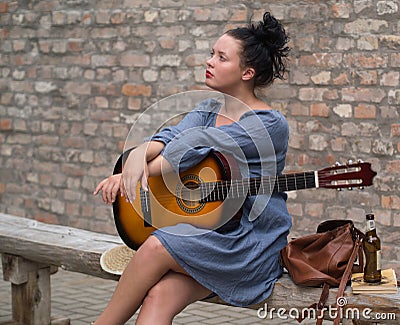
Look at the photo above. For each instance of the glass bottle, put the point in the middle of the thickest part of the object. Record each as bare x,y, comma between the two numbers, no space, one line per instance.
372,251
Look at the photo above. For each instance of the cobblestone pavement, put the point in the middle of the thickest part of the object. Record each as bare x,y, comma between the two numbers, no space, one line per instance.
81,297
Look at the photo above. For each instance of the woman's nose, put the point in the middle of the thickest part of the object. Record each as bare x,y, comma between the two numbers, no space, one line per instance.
209,62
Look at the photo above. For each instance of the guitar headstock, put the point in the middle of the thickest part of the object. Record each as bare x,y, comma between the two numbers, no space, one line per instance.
351,175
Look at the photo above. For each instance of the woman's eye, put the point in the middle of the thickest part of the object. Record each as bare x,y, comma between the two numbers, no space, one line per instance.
222,58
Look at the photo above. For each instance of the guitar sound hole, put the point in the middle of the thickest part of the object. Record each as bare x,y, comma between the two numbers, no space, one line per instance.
188,194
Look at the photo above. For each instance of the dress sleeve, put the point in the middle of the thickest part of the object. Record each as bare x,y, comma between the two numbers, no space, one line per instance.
195,118
246,140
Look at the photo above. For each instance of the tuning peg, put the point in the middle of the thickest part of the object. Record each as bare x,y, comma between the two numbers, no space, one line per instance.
338,164
349,162
361,188
360,161
351,188
339,189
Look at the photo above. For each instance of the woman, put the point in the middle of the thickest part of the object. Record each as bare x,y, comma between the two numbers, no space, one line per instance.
239,263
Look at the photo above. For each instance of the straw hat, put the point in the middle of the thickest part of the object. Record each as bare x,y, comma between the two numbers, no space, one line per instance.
114,260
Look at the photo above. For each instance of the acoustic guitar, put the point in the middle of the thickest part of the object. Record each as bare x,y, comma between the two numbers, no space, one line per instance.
208,194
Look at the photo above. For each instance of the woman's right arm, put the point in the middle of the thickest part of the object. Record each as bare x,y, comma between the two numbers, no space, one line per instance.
136,167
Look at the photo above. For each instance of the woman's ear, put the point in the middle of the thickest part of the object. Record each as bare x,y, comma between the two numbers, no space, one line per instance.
248,74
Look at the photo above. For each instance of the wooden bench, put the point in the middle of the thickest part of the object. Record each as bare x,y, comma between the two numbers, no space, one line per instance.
32,251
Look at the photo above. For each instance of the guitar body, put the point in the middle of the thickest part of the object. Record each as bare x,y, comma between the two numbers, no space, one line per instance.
211,193
174,199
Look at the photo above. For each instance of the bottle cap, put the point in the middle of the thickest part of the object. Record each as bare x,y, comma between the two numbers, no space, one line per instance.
370,216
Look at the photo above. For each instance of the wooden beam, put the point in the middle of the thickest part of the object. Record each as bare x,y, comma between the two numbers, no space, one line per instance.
294,298
70,248
30,289
80,250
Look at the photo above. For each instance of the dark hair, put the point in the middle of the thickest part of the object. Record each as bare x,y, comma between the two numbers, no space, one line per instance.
264,49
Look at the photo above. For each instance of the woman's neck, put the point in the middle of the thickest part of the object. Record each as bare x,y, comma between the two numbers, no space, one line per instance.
239,104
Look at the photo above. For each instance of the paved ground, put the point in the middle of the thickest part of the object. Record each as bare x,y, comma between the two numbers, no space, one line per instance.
81,297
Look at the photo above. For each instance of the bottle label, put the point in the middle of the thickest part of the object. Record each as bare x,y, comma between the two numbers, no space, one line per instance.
370,225
378,260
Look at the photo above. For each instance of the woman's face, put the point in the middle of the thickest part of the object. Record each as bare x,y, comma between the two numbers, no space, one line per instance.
224,71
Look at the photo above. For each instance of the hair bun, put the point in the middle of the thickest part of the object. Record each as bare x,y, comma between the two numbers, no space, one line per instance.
270,32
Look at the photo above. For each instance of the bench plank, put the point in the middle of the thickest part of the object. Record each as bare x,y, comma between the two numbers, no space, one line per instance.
293,298
79,250
70,248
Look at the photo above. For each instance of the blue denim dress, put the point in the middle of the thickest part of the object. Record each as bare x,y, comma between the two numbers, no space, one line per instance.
240,264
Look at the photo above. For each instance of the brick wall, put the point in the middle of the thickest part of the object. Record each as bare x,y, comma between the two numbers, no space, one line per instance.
76,73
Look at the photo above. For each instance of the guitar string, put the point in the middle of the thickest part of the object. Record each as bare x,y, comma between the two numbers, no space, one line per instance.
220,189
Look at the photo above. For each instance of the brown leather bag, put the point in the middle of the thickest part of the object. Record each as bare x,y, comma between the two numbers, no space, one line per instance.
326,258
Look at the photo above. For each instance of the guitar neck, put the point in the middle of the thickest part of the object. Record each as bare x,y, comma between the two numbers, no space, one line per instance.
238,188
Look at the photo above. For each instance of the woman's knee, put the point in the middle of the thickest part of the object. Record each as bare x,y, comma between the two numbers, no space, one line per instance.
152,248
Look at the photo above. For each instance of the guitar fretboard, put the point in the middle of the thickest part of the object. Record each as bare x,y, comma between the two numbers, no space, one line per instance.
238,188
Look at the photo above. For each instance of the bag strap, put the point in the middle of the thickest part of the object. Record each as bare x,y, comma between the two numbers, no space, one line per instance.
358,237
345,278
321,303
342,286
318,306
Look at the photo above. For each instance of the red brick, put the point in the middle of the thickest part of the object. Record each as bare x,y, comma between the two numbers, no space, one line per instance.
136,90
201,14
341,79
392,78
367,77
239,15
75,46
3,7
130,59
5,124
395,130
339,144
341,10
374,95
298,109
43,216
320,109
295,209
118,18
74,142
365,111
312,94
167,43
395,59
303,159
391,202
72,209
393,167
370,61
322,60
134,103
314,209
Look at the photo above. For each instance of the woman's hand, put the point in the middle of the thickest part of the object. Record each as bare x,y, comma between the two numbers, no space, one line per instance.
110,187
135,170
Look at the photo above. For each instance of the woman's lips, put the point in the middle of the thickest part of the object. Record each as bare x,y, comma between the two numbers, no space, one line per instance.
209,74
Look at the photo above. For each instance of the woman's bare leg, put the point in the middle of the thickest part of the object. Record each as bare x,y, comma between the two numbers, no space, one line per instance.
150,263
169,297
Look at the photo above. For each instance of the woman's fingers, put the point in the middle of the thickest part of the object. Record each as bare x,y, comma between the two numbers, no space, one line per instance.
109,188
99,186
